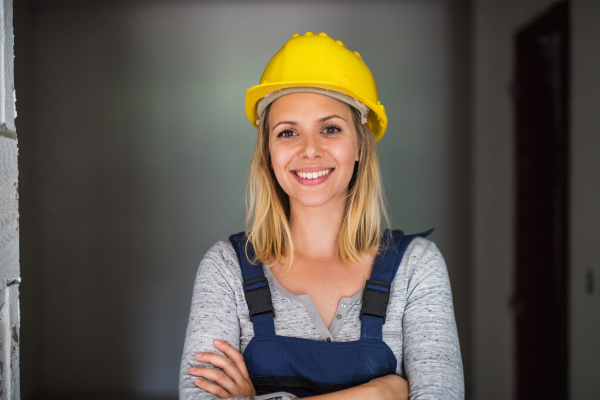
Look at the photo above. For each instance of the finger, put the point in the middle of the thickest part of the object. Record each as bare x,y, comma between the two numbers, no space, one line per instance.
197,371
217,376
234,355
212,388
226,364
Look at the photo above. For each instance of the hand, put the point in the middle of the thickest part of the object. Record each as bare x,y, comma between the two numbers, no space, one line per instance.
232,381
391,387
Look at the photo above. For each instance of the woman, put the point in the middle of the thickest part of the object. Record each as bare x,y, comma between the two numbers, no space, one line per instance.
314,300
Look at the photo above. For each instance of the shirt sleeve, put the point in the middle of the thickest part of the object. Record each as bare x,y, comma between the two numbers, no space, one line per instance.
432,356
213,316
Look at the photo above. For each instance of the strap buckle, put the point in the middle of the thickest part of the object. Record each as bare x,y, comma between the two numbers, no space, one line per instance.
258,297
375,299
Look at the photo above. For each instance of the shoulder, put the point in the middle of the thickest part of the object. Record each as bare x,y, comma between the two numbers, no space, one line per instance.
221,254
423,263
422,251
220,259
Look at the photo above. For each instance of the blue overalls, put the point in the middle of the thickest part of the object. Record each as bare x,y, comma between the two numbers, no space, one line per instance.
307,367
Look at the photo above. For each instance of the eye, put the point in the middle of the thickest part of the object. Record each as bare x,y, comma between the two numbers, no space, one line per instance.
331,129
286,133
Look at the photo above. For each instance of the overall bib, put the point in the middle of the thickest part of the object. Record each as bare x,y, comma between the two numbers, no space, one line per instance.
307,367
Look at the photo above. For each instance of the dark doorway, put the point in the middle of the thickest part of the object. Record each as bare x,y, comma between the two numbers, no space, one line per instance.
541,109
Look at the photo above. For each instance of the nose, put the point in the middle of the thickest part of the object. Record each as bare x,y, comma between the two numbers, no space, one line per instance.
312,147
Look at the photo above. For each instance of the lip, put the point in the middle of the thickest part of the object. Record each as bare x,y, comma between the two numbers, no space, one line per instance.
315,181
316,168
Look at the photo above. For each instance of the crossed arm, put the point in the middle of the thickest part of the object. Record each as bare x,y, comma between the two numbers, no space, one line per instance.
233,380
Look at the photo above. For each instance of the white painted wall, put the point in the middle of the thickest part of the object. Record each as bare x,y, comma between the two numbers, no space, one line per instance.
138,147
495,23
585,200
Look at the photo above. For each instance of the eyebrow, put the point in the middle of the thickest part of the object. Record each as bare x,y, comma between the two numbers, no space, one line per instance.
321,120
330,117
283,123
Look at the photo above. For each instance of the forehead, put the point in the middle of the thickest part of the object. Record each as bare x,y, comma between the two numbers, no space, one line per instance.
308,105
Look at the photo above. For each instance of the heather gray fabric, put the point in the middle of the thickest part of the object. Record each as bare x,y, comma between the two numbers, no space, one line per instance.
419,328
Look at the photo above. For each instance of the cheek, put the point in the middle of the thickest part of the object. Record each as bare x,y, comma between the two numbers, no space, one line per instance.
346,155
279,160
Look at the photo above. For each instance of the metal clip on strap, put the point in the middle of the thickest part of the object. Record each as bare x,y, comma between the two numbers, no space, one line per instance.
375,299
258,297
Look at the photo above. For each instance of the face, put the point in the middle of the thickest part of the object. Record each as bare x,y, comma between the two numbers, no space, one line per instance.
313,145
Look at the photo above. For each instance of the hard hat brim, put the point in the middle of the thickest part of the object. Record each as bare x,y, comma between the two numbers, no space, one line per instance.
376,120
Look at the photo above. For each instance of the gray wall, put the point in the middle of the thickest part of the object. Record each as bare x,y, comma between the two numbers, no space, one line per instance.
584,308
135,151
495,23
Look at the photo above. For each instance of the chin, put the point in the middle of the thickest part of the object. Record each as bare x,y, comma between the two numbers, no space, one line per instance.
313,201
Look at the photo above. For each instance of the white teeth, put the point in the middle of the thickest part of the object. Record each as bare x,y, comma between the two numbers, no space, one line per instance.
313,175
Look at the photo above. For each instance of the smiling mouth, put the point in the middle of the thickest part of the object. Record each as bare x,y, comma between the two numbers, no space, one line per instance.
313,175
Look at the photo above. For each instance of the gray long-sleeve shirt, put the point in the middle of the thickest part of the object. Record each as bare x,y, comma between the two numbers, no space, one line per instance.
420,328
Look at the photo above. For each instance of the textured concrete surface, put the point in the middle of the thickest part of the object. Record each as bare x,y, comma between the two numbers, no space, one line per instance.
9,209
9,216
9,342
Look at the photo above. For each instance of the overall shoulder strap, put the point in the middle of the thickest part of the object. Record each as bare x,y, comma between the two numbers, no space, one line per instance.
377,289
256,286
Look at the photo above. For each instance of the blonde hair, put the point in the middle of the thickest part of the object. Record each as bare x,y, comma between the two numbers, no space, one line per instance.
267,219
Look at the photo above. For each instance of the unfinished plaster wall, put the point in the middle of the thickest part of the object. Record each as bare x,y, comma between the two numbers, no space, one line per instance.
9,216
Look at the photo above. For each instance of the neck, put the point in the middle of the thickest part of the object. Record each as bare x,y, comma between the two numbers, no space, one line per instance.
315,230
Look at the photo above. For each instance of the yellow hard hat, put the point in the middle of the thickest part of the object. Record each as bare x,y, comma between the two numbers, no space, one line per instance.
318,61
